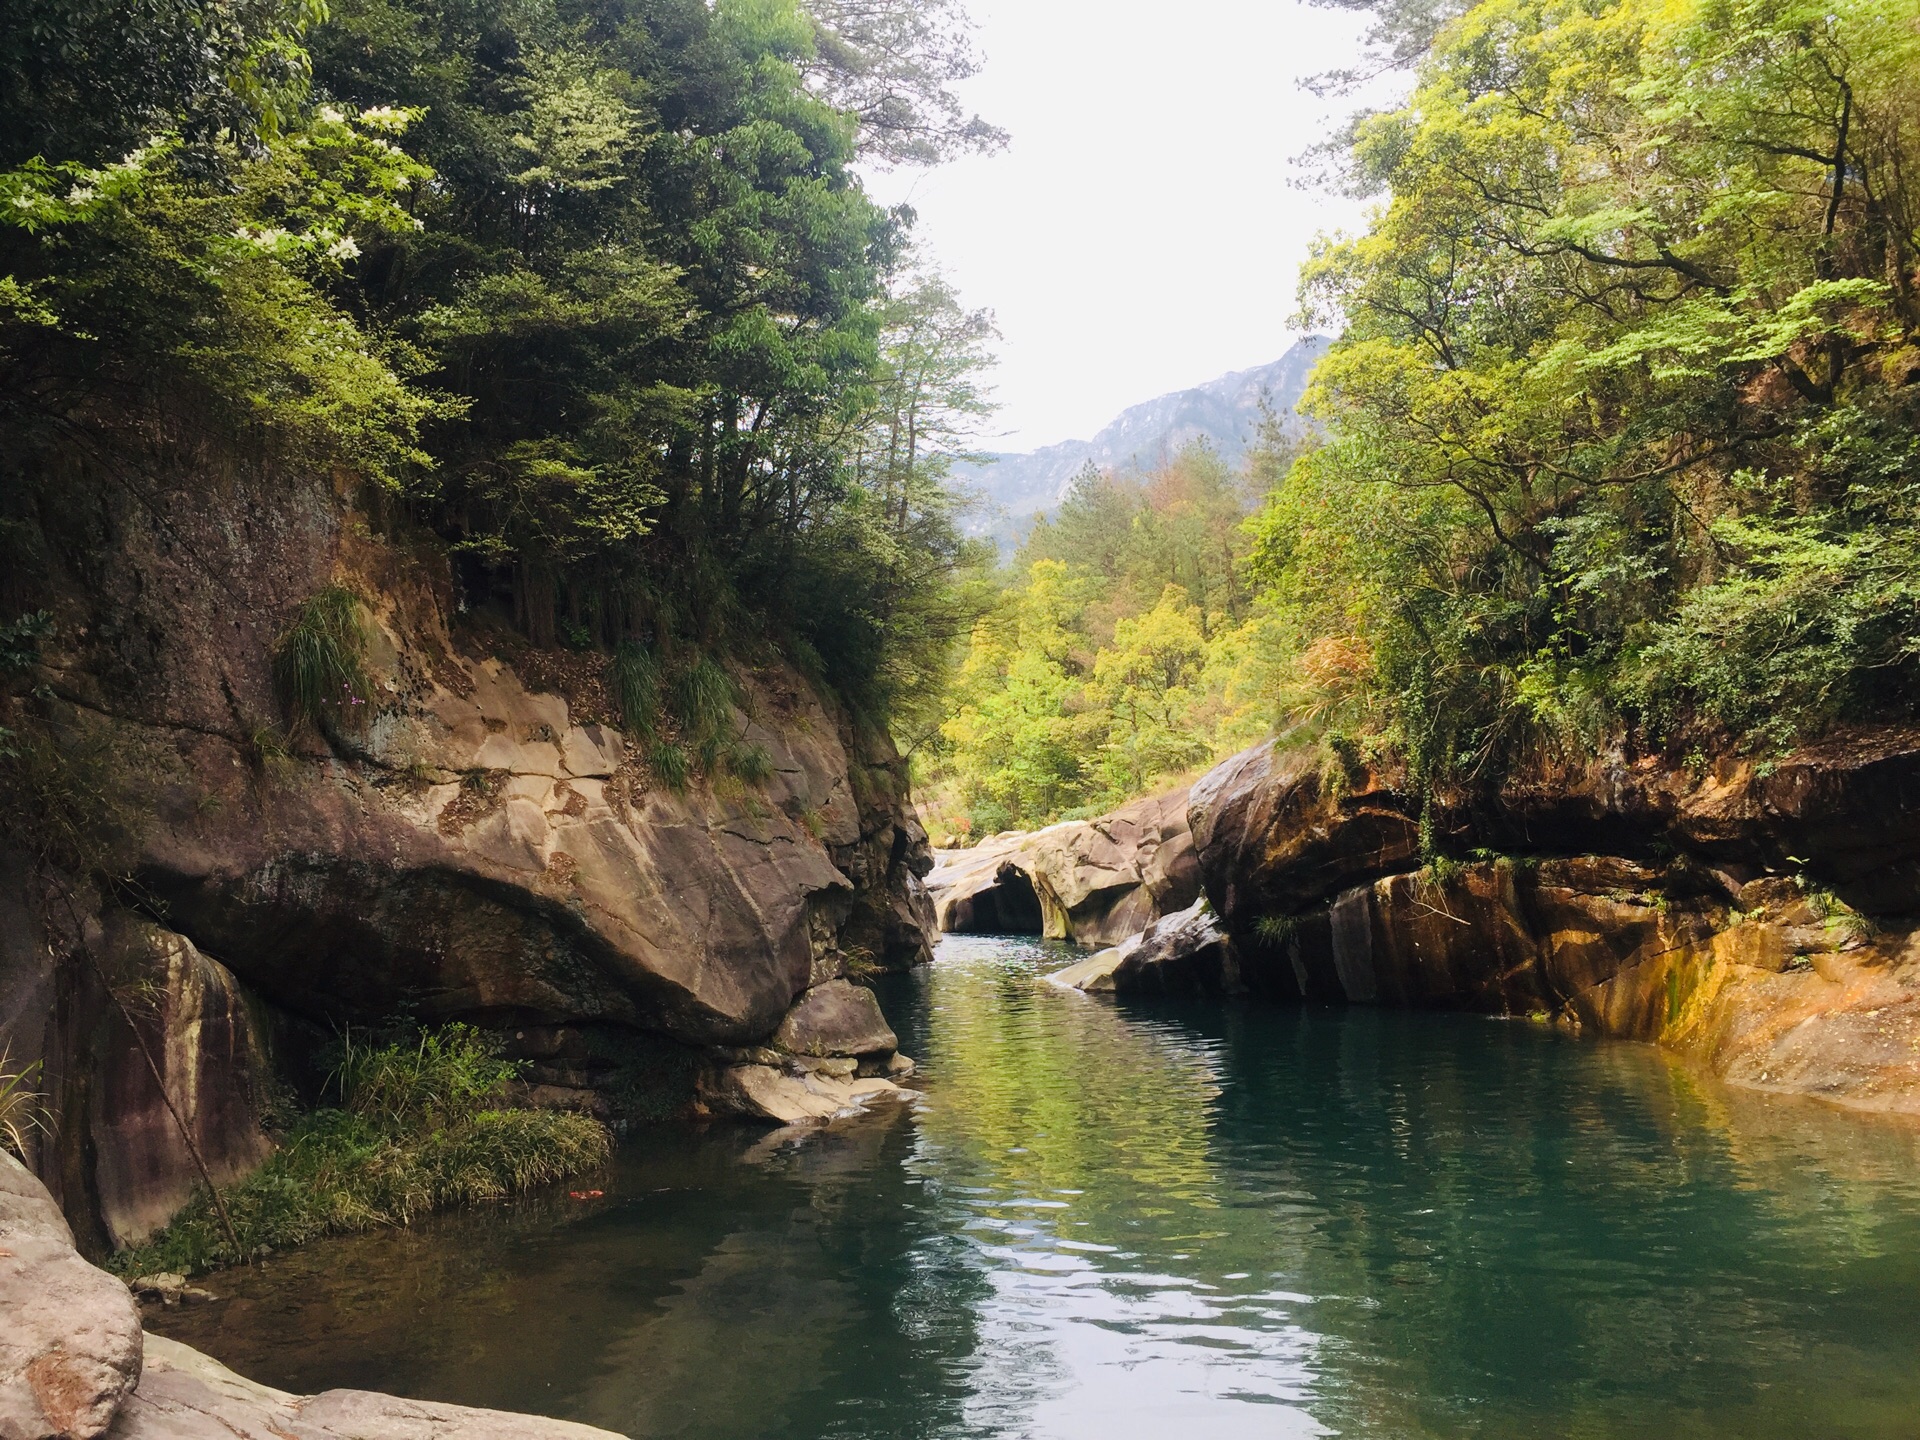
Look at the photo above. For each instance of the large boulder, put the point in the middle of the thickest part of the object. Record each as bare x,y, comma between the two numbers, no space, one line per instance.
1090,881
836,1018
69,1334
1185,953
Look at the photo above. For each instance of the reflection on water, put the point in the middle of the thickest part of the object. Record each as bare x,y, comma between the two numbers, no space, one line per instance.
1163,1220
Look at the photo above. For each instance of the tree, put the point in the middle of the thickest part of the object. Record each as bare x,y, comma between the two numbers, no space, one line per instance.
1620,437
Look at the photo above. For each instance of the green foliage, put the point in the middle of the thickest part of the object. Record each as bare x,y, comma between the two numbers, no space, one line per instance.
22,1108
1126,651
422,1126
1621,434
595,286
319,664
443,1077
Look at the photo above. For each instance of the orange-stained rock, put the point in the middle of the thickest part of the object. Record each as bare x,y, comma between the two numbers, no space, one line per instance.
1728,914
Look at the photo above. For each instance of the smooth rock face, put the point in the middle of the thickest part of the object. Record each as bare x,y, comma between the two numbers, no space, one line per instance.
213,1057
837,1018
1705,929
69,1334
185,1395
474,841
1091,881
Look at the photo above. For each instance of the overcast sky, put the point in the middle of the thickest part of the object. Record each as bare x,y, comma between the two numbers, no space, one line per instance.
1142,233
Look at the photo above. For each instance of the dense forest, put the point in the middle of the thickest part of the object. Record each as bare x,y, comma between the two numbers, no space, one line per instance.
1616,447
591,289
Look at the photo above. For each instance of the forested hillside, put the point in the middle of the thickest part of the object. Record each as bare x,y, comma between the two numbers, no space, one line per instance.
1127,647
1618,439
586,288
1623,418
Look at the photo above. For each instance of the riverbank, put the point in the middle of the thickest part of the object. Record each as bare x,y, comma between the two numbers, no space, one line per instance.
76,1362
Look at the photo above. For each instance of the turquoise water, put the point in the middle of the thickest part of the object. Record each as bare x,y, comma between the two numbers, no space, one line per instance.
1140,1221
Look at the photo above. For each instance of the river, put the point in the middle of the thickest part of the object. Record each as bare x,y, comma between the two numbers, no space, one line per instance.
1162,1221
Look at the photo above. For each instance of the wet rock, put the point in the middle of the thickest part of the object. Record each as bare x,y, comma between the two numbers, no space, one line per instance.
789,1097
69,1333
837,1018
1656,920
1091,881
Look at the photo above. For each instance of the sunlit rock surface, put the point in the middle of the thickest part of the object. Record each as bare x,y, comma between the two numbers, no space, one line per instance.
473,839
1091,881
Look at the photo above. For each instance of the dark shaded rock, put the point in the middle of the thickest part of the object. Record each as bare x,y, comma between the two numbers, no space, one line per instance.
837,1018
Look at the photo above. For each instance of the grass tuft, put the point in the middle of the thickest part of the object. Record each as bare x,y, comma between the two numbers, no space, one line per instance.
634,677
22,1108
750,763
422,1125
672,764
319,664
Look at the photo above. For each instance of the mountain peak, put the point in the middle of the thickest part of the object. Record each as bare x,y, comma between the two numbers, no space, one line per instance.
1224,411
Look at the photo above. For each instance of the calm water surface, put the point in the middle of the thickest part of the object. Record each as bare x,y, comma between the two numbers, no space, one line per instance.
1159,1221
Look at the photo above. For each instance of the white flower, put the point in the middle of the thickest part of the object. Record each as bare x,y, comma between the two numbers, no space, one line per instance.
385,117
331,116
80,194
343,248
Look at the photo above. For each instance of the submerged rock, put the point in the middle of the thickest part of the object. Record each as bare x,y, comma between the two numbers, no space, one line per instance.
790,1096
1094,882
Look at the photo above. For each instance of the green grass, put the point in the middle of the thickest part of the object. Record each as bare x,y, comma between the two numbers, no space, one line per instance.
22,1109
421,1126
319,664
634,677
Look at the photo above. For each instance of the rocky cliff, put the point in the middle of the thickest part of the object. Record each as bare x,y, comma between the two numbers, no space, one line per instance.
1758,915
474,839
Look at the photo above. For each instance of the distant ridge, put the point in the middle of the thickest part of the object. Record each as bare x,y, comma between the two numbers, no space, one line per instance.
1225,412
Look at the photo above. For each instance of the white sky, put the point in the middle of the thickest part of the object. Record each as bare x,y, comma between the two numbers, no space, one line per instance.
1143,231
